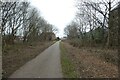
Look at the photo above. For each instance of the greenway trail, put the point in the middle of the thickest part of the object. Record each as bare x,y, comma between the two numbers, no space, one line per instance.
45,65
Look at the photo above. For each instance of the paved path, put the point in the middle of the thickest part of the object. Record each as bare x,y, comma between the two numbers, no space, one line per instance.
0,57
0,64
45,65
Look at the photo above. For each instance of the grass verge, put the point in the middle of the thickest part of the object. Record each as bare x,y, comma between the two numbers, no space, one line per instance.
68,68
89,64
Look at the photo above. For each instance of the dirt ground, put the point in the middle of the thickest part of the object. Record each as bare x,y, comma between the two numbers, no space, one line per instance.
92,62
14,56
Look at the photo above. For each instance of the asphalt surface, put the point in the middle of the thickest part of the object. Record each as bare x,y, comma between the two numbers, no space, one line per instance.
0,57
45,65
0,65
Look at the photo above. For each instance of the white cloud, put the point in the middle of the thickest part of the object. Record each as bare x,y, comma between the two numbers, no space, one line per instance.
56,12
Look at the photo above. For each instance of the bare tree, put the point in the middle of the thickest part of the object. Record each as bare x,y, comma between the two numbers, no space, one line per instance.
22,19
11,19
71,30
98,14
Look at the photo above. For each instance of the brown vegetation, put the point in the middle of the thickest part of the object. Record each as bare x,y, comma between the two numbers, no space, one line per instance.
93,62
21,30
94,35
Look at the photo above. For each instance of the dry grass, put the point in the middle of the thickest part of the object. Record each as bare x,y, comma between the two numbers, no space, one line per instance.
92,63
14,56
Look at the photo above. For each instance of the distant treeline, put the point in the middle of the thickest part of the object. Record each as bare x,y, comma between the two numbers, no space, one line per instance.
95,25
21,21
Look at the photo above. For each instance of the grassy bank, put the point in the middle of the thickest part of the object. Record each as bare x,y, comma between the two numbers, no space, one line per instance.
14,56
68,68
90,62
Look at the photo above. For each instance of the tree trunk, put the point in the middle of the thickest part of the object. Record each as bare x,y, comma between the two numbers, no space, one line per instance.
109,42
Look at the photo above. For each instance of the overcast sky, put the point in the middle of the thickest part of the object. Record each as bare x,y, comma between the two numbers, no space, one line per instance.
56,12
